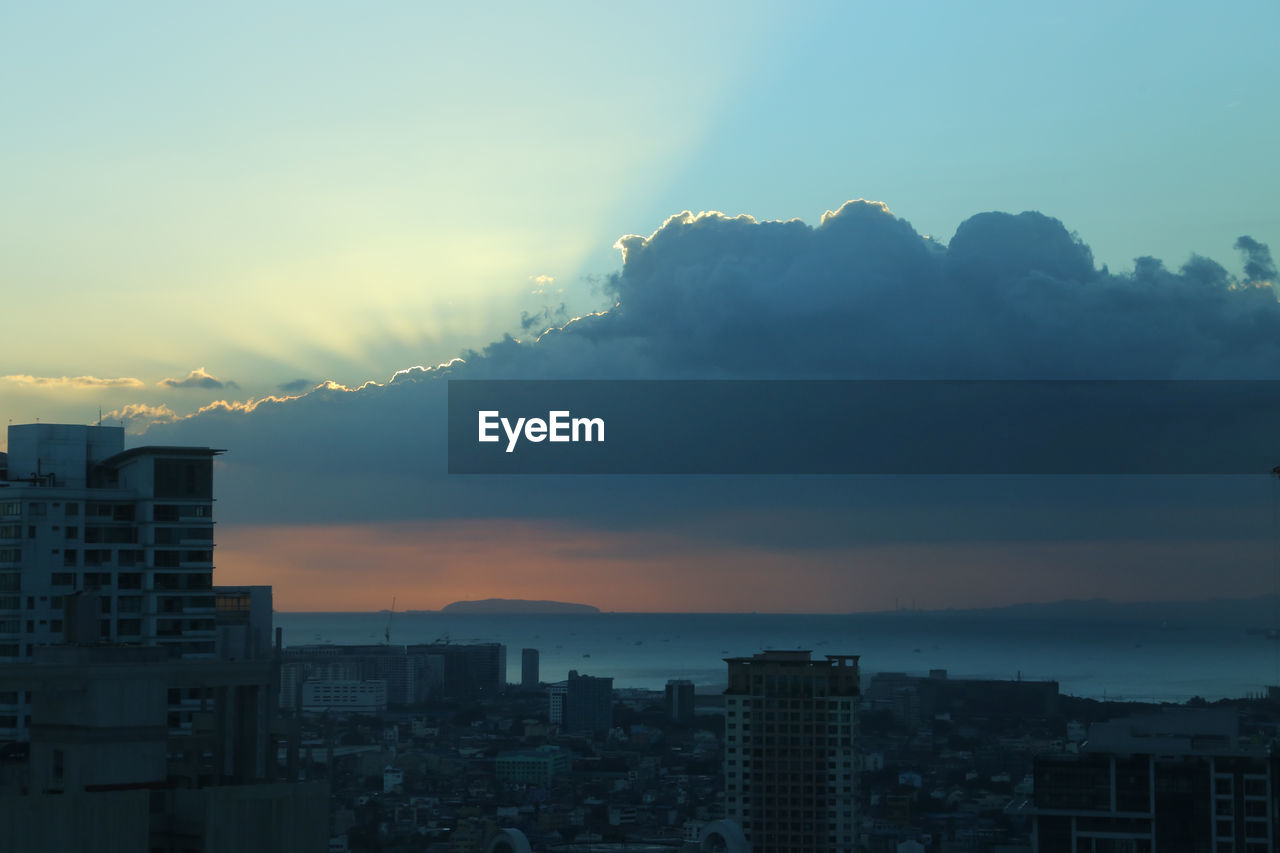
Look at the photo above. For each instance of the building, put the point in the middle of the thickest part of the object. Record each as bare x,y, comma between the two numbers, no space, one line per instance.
1181,780
129,530
243,622
106,772
529,669
538,766
471,671
556,695
398,671
913,700
413,674
679,701
341,696
791,773
588,704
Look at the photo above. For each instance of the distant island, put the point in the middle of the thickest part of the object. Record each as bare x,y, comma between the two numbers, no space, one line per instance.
516,605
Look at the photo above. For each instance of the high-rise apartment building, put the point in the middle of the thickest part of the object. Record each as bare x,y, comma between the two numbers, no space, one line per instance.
679,697
588,704
791,773
529,669
582,704
128,532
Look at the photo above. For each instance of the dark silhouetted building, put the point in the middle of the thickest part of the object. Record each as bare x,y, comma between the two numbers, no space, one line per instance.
410,674
470,671
1181,780
583,704
791,772
679,701
529,669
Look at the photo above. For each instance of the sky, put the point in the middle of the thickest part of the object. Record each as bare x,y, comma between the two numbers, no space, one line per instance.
265,226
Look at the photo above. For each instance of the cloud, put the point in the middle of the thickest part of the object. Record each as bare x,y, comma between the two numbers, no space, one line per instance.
198,378
544,318
418,372
73,381
860,295
1258,266
295,385
137,417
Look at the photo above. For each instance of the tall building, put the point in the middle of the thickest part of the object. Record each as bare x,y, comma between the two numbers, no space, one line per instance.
529,669
581,705
790,768
556,694
1181,780
679,701
129,530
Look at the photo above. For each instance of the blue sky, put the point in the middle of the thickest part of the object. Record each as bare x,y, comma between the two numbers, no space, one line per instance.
250,200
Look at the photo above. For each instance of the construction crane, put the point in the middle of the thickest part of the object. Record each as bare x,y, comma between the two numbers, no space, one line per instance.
389,618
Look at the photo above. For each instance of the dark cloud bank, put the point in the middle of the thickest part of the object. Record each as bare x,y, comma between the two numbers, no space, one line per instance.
860,296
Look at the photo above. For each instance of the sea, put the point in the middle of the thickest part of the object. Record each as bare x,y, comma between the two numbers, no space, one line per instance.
1117,660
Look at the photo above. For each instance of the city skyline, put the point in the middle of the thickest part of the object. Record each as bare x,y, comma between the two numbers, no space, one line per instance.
263,230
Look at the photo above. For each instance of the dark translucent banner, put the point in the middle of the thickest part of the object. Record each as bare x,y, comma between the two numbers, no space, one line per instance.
863,427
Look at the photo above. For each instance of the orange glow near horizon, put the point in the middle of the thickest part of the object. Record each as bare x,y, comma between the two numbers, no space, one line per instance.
426,565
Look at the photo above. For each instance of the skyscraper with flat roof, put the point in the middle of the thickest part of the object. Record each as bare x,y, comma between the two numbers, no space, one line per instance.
582,704
791,774
679,701
529,669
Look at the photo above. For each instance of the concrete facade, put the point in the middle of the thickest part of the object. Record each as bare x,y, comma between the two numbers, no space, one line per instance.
130,532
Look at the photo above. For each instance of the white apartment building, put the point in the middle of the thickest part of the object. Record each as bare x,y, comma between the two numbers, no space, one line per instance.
103,544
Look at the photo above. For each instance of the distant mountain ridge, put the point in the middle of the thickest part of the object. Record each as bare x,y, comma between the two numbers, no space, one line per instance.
516,605
1262,611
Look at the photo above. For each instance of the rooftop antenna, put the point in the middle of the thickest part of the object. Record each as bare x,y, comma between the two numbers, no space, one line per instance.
389,618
